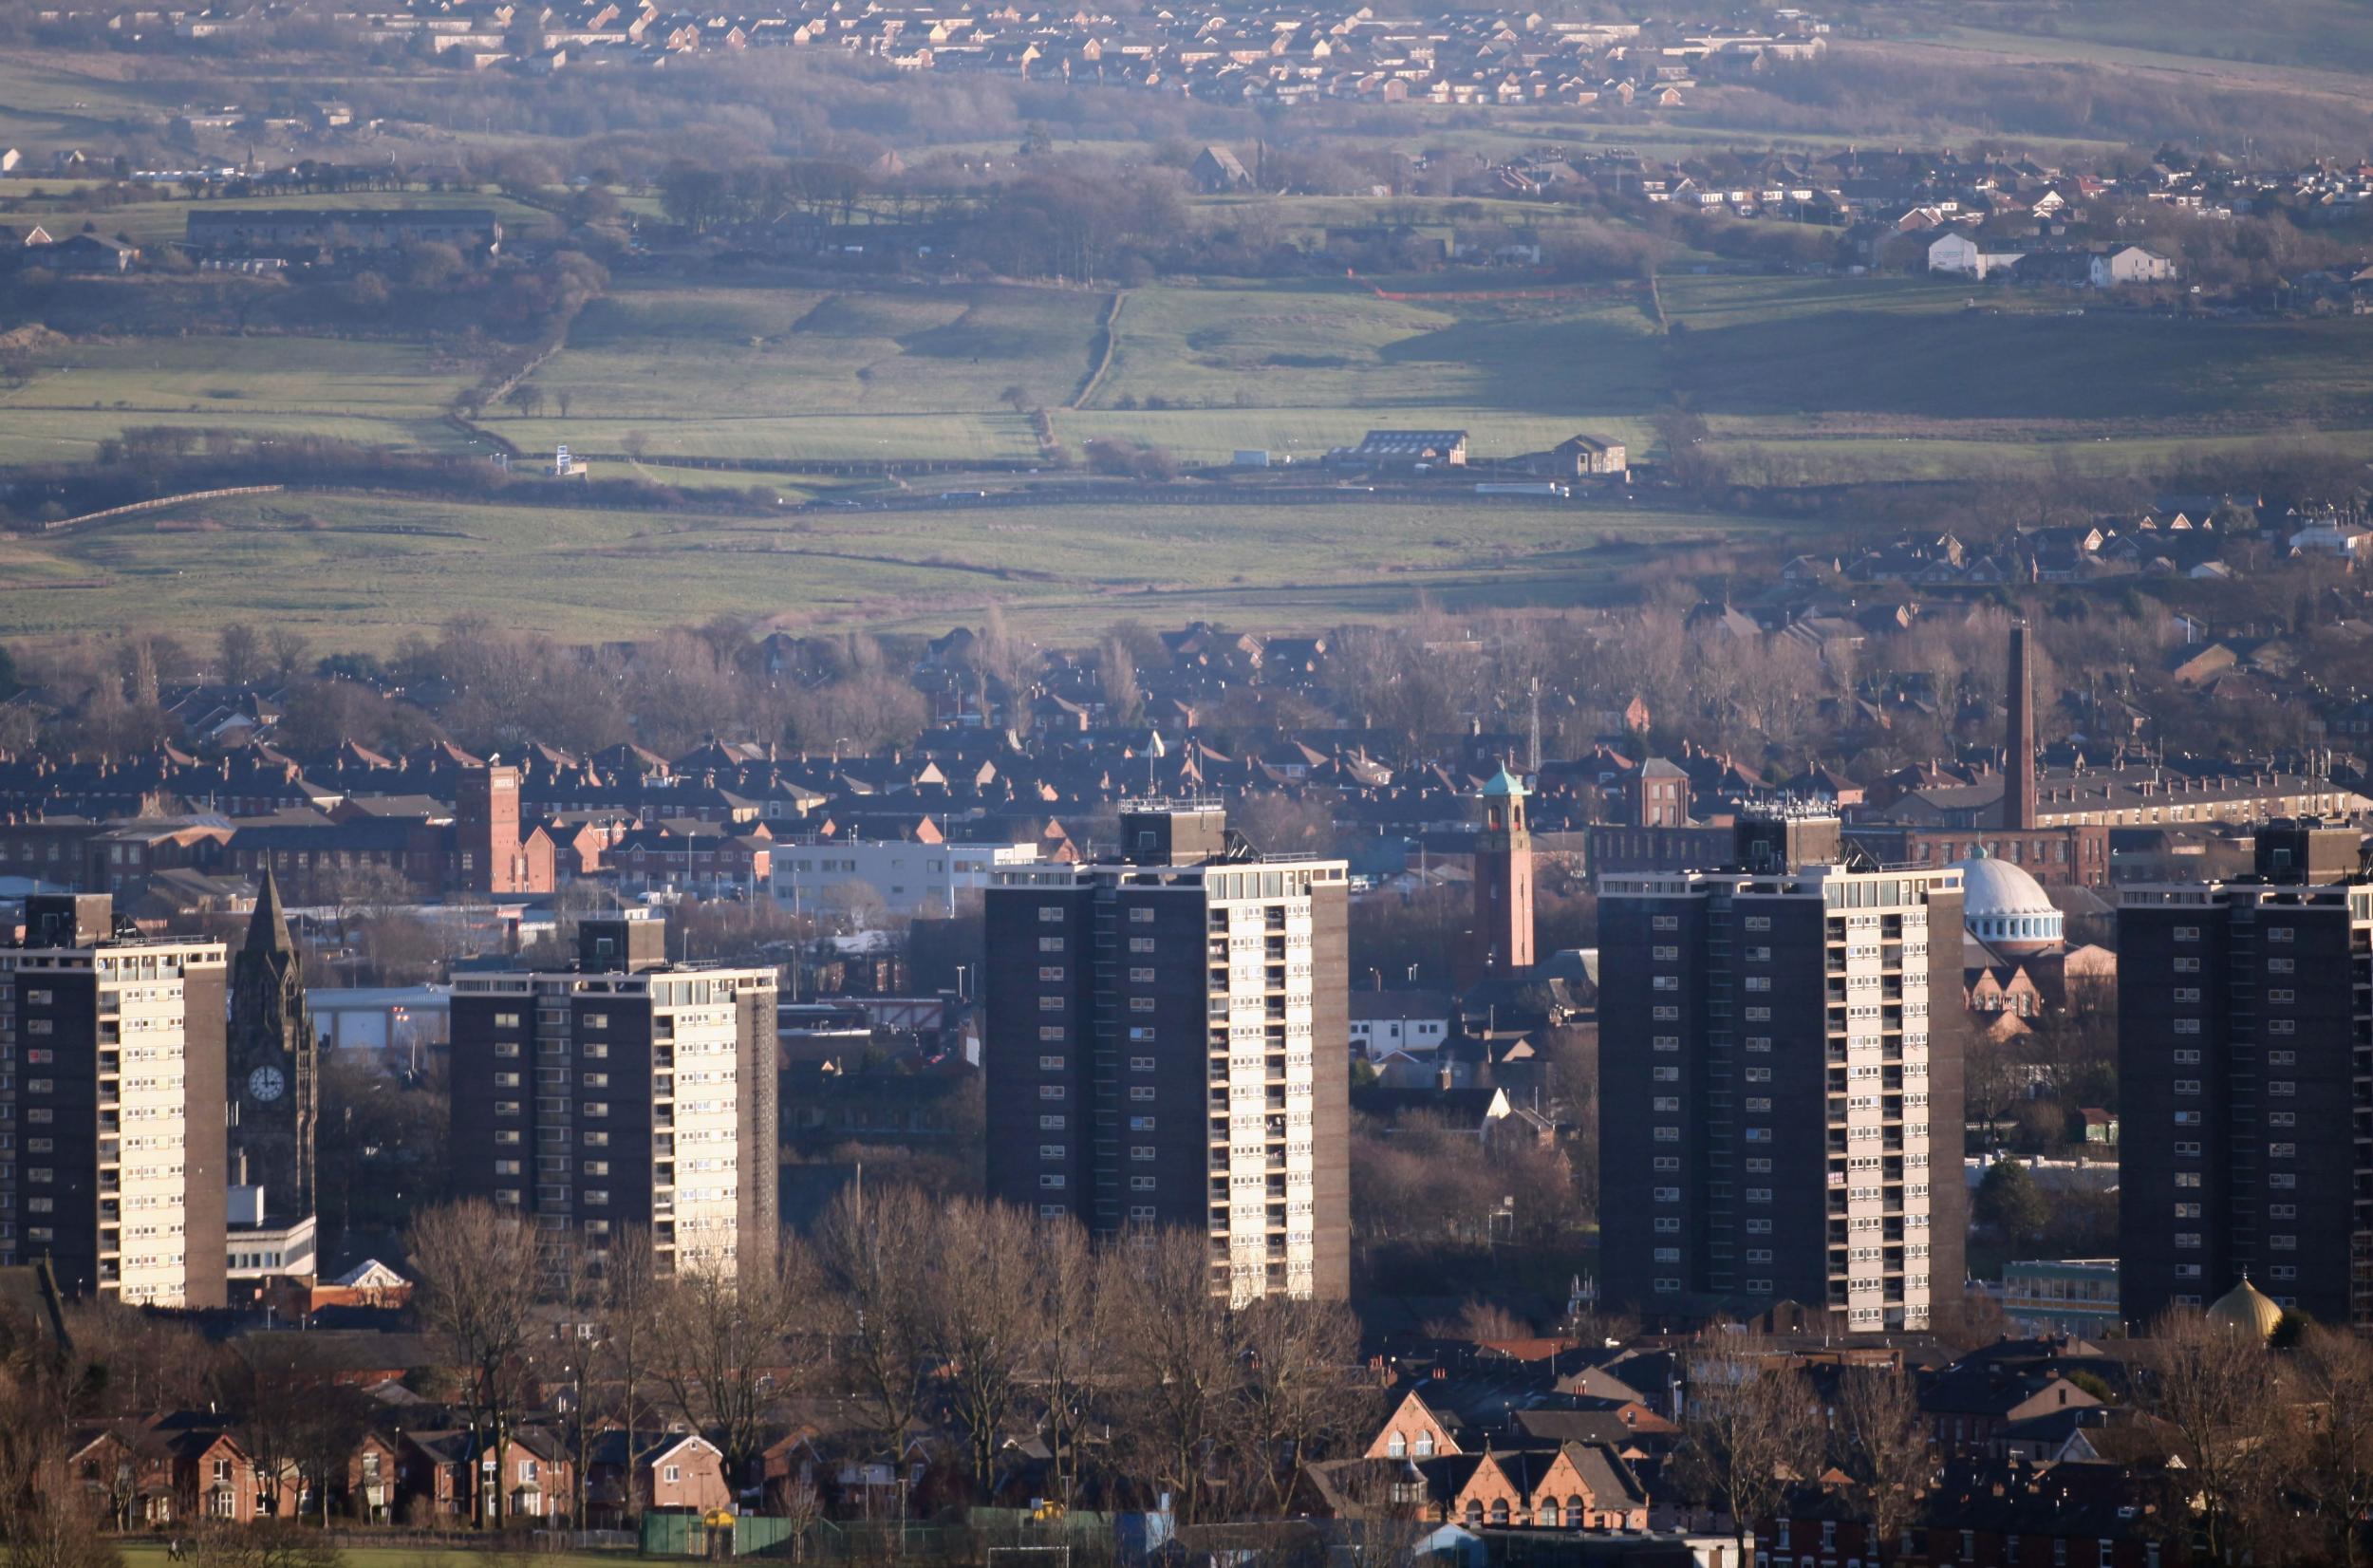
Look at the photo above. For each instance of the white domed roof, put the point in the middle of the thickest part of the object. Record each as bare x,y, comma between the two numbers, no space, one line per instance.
2005,908
1990,886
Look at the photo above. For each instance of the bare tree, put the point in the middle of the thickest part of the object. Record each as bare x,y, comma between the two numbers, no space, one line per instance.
140,672
870,1267
981,1320
1747,1433
242,649
1884,1448
725,1338
333,1420
481,1276
2335,1440
151,1364
48,1519
1175,1351
633,1325
288,649
580,1291
1074,1320
263,1387
2214,1383
1300,1399
1116,681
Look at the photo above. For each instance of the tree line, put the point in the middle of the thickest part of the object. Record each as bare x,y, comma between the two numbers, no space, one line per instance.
2264,1455
921,1314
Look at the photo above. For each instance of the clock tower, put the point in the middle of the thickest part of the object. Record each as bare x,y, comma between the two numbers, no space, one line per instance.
1502,944
274,1077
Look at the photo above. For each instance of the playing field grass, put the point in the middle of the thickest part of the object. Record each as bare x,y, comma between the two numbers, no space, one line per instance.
142,1555
361,571
79,393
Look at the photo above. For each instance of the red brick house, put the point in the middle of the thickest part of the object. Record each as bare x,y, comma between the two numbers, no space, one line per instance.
655,1470
1968,1403
432,1477
1578,1486
702,857
171,1470
535,1476
1416,1431
372,1470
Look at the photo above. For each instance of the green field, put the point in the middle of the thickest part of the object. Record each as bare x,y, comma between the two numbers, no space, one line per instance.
1809,380
1800,381
2319,36
1815,348
1332,345
1212,435
361,571
63,208
1884,378
691,356
51,98
811,375
142,1555
378,393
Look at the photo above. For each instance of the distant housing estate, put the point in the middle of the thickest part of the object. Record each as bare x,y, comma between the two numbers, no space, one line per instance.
352,228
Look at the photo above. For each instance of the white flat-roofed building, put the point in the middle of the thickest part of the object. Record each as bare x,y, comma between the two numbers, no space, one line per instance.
908,877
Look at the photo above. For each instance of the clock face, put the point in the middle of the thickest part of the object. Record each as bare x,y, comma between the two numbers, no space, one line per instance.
266,1083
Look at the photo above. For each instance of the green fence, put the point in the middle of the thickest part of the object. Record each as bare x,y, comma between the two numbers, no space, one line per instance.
685,1535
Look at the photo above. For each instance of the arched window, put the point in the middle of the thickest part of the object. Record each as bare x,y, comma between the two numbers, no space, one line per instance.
1546,1515
1474,1513
1574,1513
1397,1445
1425,1445
1499,1511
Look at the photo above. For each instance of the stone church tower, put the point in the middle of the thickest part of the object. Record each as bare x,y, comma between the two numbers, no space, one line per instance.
274,1076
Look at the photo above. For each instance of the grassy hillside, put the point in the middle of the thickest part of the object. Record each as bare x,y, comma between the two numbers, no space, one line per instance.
62,207
364,570
1800,381
2315,35
1331,344
82,392
684,356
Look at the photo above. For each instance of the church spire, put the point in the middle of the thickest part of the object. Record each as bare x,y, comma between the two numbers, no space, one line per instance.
269,930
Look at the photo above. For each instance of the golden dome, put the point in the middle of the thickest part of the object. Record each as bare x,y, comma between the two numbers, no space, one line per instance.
2246,1307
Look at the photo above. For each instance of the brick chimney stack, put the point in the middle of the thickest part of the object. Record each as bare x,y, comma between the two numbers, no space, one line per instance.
2018,761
